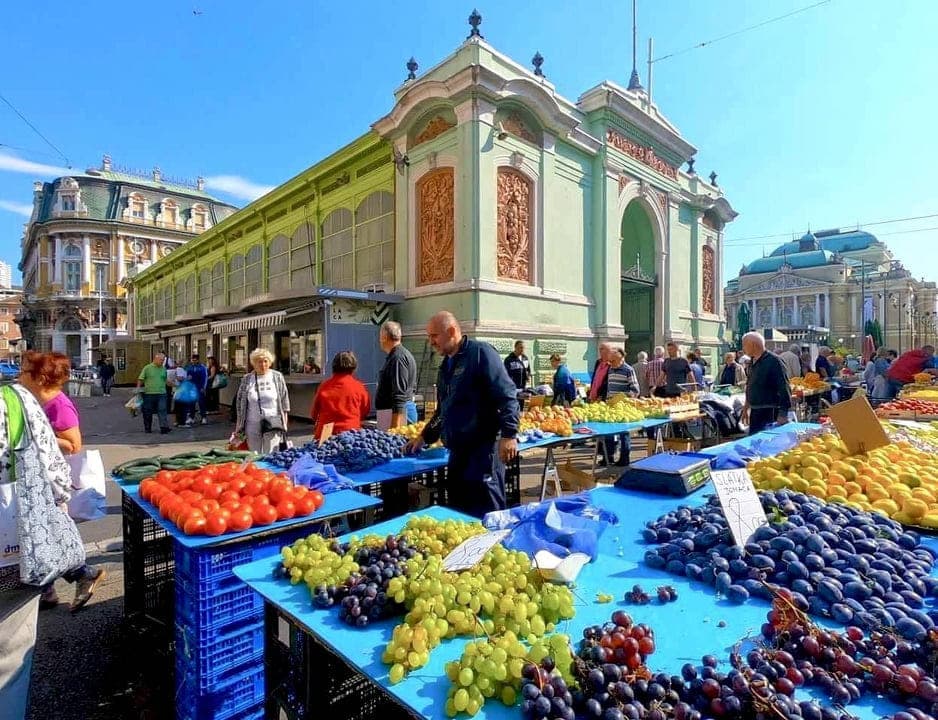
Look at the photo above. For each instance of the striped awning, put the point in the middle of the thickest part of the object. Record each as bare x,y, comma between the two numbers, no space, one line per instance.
190,330
253,322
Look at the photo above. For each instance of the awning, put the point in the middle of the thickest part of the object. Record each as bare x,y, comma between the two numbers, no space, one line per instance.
192,329
253,322
148,337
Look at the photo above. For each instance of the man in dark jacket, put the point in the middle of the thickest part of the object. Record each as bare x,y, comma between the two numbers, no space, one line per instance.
768,395
397,380
106,372
476,416
518,366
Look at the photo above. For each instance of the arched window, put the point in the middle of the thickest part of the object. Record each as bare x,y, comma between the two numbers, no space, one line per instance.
254,272
185,296
278,264
218,285
337,249
374,240
236,280
72,268
303,257
204,299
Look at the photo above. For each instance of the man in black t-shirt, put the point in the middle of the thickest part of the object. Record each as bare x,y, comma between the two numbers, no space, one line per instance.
518,366
676,372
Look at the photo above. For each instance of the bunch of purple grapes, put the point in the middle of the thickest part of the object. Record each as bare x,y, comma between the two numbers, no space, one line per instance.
544,694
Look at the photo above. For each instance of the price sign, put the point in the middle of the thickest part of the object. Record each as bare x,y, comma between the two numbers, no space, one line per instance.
326,432
740,503
384,419
469,553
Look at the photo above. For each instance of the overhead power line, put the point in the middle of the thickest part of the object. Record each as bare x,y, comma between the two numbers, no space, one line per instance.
32,127
707,43
745,240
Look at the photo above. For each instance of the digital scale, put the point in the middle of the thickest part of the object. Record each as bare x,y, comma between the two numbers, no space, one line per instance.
667,474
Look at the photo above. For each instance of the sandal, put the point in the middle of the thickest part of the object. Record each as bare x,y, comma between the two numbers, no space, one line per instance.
85,588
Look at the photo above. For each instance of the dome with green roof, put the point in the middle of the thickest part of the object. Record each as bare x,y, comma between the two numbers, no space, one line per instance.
797,261
833,241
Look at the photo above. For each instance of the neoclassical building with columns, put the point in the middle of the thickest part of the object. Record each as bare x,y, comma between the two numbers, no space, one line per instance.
482,191
87,232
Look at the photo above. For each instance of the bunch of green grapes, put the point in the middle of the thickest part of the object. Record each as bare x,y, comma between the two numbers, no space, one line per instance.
439,537
410,645
317,561
369,541
494,668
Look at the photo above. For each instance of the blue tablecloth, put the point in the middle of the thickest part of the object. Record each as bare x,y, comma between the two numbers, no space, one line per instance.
684,630
341,502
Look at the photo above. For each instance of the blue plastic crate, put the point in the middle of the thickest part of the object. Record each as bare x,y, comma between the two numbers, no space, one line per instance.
204,610
237,695
226,648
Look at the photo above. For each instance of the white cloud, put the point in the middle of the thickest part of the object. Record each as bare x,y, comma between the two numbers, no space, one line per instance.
11,163
15,207
237,186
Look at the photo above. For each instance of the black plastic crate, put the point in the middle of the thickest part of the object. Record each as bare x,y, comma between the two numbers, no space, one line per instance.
513,482
306,680
149,567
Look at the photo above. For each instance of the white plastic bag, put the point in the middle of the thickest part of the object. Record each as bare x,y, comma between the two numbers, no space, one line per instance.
88,483
9,536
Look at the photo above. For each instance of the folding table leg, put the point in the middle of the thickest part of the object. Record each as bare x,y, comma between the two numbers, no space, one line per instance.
550,472
659,440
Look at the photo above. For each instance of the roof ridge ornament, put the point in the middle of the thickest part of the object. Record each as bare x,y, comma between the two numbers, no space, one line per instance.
475,19
412,68
537,61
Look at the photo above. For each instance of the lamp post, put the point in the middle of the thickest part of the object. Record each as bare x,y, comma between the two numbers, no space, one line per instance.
894,298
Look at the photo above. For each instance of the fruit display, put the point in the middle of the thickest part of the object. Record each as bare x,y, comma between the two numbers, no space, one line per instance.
898,480
624,411
908,407
136,470
554,419
810,381
920,392
224,498
923,378
412,432
840,563
350,451
898,664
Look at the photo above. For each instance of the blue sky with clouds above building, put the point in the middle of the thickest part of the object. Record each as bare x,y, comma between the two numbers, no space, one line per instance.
825,118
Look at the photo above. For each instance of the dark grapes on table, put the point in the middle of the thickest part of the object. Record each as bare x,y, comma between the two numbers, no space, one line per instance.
840,563
350,451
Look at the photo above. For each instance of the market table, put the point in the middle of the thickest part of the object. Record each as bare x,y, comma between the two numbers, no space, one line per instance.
695,625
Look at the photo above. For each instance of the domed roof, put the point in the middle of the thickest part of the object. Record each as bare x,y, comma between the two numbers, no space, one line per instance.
797,261
830,240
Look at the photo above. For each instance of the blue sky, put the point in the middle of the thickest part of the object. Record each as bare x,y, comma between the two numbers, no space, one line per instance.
825,118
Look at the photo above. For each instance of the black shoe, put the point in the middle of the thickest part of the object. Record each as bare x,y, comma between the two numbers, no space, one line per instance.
164,430
622,462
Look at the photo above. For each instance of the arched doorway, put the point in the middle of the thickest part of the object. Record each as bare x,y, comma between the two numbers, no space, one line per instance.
71,327
638,277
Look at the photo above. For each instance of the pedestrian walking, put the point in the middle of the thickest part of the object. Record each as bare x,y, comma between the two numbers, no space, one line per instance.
564,385
197,374
597,389
791,361
640,366
768,395
675,372
342,400
213,385
152,381
397,380
106,372
476,416
44,375
620,379
263,404
518,366
653,373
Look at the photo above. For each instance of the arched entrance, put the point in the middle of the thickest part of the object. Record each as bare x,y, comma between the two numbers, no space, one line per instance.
71,327
638,277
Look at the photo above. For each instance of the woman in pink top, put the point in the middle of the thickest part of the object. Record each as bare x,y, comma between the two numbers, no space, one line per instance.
44,375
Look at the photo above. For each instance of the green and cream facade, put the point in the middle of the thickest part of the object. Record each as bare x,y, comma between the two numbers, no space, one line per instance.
485,192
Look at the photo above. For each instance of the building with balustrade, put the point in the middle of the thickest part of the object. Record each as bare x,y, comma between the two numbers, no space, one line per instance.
87,232
825,287
482,191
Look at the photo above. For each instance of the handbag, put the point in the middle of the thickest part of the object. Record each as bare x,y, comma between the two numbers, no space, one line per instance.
219,381
49,541
88,481
268,424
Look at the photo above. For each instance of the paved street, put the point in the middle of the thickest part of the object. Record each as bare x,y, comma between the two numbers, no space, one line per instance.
81,668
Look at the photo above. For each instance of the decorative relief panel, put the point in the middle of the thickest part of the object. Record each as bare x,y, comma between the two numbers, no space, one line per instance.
624,181
708,282
515,124
644,155
436,229
99,249
436,126
515,205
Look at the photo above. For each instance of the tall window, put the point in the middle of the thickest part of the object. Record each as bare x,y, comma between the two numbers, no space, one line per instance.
204,299
169,212
180,297
218,285
337,249
199,216
100,277
254,272
72,268
138,206
303,257
68,203
278,264
374,240
236,280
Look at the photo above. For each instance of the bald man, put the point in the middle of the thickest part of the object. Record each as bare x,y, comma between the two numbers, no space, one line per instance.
476,416
768,395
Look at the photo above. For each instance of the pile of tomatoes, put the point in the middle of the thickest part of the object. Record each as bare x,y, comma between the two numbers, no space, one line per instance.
224,498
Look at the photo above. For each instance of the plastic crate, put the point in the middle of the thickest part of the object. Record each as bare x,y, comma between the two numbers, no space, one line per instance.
138,526
237,694
207,609
513,482
225,649
149,565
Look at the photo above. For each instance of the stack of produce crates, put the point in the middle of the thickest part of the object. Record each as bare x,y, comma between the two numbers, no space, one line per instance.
220,629
148,570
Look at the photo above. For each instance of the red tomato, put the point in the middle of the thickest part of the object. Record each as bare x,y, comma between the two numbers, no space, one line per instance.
201,484
188,513
237,484
278,490
305,505
264,514
241,519
167,499
195,526
231,505
213,491
253,487
225,512
317,496
285,509
208,506
228,496
190,496
144,489
299,492
216,523
260,500
163,477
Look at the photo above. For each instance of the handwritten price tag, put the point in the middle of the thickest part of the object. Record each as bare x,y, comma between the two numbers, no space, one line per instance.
741,505
469,553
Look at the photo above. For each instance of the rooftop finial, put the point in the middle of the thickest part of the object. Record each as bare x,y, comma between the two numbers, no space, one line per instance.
412,69
690,167
537,61
106,162
713,179
634,82
475,19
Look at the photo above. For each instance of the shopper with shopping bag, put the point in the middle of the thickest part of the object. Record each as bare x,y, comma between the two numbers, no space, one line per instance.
44,375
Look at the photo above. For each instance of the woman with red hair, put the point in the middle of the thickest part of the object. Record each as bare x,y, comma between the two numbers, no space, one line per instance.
44,375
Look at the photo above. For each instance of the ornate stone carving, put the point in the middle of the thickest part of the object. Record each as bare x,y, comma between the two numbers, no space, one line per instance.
436,227
99,248
785,281
515,125
515,204
436,126
624,181
708,280
644,155
165,250
516,159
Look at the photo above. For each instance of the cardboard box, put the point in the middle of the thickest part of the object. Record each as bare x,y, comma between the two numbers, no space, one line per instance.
681,445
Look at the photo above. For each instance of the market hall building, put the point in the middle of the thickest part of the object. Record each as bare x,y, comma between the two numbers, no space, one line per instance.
483,191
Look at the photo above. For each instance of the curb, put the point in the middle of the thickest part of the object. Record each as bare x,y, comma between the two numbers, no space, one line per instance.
107,545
